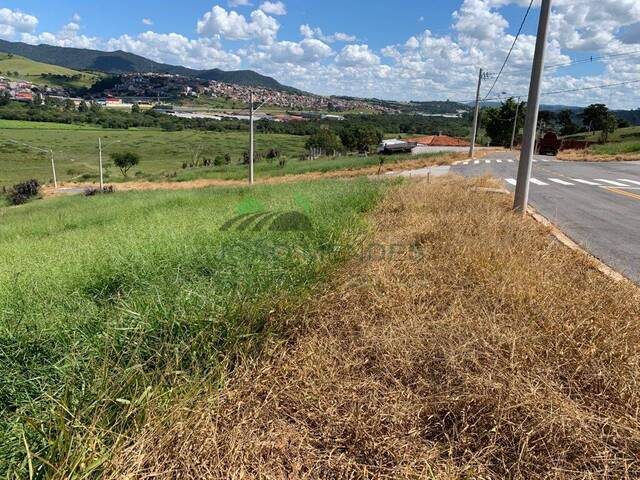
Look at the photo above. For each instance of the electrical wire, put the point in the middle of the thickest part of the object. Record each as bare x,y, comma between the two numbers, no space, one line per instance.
515,40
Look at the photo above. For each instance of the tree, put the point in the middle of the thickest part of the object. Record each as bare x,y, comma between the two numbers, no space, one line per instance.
69,105
325,139
361,138
499,121
567,125
135,108
83,107
4,97
598,117
623,123
125,160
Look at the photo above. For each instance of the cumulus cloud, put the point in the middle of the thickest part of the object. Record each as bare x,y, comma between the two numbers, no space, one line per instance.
307,51
307,32
273,8
147,21
357,56
68,36
234,26
176,49
14,22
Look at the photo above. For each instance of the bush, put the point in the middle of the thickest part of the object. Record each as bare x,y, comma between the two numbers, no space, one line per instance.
219,161
90,192
23,192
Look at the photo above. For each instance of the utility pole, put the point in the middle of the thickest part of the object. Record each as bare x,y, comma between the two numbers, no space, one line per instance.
53,167
101,177
251,137
533,104
474,132
515,124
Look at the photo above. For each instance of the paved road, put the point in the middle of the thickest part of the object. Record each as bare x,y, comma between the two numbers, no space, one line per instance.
596,204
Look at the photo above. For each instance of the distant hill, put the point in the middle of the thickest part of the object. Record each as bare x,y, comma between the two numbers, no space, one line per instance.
16,67
124,62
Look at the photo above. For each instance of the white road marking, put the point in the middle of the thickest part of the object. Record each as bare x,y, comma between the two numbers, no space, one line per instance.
546,160
534,160
477,162
611,182
586,182
487,161
629,181
498,161
457,163
538,182
510,160
512,181
466,163
561,182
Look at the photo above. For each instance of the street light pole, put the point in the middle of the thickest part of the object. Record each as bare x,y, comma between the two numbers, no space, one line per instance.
53,167
474,131
101,176
515,124
251,146
533,107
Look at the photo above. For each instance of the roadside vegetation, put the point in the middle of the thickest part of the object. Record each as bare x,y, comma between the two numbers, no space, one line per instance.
111,303
622,144
467,344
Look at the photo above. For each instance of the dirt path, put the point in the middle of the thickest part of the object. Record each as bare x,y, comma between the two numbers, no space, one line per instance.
466,343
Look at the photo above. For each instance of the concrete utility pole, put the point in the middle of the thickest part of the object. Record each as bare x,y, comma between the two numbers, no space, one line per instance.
515,124
101,176
53,167
474,132
251,137
528,142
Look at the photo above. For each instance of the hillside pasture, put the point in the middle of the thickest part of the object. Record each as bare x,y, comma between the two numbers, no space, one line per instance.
43,73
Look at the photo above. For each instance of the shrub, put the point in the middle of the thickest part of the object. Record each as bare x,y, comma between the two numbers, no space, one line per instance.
23,192
90,192
219,161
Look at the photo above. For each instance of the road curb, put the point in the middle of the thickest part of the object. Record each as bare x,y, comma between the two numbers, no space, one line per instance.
565,240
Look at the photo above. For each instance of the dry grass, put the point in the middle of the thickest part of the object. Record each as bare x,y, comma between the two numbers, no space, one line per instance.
500,354
589,156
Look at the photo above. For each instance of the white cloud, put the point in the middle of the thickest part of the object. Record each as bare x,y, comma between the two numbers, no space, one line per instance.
14,22
76,18
176,49
307,51
273,8
307,32
234,26
147,21
239,3
67,36
357,56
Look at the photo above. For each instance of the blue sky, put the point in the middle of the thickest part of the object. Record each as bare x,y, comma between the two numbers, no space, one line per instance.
402,49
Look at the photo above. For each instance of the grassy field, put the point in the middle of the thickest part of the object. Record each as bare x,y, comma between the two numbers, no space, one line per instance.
447,352
110,303
622,141
162,153
33,71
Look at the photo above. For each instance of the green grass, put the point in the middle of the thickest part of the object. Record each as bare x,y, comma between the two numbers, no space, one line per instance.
623,140
76,150
32,71
294,167
108,303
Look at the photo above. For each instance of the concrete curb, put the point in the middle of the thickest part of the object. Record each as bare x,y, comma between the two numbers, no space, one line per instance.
566,240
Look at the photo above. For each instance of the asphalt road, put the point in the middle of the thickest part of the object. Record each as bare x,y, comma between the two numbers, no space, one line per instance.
595,204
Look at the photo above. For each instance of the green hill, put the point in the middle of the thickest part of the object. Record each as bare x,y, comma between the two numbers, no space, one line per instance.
20,68
124,62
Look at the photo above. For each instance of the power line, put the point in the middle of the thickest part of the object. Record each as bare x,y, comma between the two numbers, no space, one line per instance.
515,40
